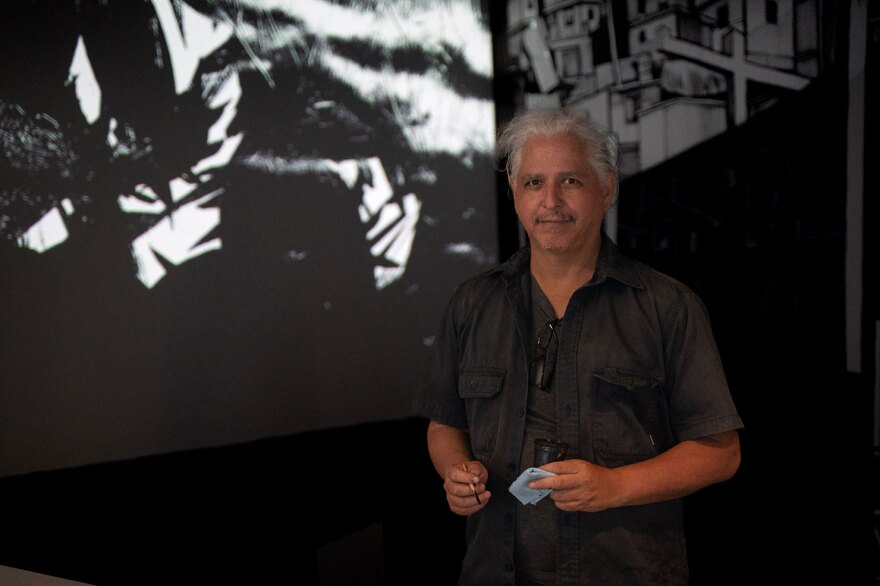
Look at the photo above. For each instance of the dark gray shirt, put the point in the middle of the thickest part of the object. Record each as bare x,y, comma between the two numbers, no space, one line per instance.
637,372
535,528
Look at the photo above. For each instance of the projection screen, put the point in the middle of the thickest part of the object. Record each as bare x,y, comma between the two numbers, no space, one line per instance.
229,220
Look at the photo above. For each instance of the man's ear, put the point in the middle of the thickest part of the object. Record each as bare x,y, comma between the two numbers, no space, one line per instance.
610,185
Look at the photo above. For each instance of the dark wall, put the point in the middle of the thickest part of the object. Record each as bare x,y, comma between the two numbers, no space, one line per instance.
359,505
754,221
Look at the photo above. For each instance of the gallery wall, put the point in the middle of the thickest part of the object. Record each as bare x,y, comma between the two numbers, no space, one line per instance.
243,418
226,221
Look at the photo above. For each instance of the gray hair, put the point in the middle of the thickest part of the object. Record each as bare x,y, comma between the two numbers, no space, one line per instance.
600,143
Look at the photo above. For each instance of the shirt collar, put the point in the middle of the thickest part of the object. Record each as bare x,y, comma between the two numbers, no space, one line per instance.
612,264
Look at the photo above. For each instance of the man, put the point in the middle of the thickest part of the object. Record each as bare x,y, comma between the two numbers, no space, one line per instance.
572,341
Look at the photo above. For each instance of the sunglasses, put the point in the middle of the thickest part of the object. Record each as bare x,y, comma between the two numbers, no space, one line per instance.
544,362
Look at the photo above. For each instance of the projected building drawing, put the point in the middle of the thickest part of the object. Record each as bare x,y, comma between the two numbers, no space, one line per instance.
688,70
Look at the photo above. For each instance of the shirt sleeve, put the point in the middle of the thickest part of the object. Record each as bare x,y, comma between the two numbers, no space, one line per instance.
438,398
700,399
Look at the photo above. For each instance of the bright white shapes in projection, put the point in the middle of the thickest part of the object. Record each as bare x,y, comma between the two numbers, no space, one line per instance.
180,236
189,40
176,213
177,238
468,250
394,230
391,222
132,204
396,246
49,231
432,116
88,92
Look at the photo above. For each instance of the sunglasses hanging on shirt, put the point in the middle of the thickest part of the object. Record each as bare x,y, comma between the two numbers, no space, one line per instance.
544,362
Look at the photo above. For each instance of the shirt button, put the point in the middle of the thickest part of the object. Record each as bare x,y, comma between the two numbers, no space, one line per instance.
520,413
509,567
508,517
511,467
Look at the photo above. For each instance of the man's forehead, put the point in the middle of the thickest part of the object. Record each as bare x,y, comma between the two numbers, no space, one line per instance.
556,172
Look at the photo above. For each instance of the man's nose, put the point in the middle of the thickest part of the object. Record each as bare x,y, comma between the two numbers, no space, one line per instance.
552,196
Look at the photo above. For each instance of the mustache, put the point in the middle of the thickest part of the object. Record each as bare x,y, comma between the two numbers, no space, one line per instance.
555,218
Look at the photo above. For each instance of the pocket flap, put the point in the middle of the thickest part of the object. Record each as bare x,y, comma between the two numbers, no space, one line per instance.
479,383
628,380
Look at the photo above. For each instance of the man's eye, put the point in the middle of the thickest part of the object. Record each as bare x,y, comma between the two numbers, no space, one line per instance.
533,182
571,181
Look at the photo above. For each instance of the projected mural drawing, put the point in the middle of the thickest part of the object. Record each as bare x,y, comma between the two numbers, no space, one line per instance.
252,177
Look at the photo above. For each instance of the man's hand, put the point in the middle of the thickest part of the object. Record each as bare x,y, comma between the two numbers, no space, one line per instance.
682,470
579,486
465,486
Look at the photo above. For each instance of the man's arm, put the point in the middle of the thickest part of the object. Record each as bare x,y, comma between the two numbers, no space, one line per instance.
448,446
464,479
678,472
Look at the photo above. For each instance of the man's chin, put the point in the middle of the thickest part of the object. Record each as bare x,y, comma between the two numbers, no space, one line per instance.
549,246
552,237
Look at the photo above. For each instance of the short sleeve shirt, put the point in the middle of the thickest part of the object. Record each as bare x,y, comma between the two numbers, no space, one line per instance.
637,372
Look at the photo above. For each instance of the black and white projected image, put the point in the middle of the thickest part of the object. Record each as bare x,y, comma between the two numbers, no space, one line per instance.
225,220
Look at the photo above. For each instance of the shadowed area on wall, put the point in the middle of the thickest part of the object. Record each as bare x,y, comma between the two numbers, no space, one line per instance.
754,222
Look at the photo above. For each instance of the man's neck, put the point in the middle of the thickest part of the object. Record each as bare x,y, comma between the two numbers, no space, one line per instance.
560,274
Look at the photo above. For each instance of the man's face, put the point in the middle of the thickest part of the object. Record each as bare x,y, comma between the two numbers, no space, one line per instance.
558,196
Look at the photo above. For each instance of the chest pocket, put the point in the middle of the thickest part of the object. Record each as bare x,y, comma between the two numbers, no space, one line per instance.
630,417
481,391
